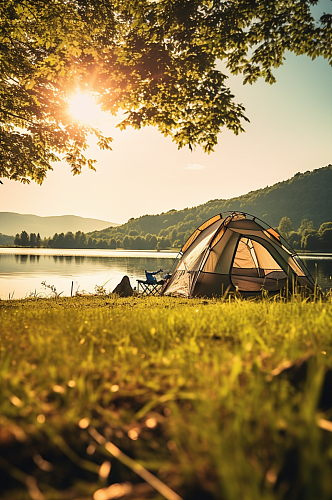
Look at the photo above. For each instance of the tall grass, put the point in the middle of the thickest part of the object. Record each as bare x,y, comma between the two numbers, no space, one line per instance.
192,390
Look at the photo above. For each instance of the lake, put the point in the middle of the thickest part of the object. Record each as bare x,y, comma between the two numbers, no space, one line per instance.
23,269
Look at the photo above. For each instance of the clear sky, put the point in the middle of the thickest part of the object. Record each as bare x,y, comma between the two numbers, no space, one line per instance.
290,131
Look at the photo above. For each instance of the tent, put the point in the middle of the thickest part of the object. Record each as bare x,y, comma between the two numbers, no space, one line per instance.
235,251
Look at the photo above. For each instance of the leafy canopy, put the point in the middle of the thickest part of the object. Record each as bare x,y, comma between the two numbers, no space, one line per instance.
285,227
153,59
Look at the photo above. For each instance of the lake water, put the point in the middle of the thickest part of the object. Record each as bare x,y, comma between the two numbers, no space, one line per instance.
23,270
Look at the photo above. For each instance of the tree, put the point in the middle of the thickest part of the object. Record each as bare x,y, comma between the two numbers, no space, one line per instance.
41,66
305,234
306,224
138,243
153,242
285,227
163,243
61,241
324,226
156,60
294,239
312,242
69,240
126,242
24,239
80,239
326,239
102,244
174,235
53,242
33,240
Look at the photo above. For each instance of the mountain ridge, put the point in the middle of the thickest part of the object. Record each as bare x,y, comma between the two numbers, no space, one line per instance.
12,223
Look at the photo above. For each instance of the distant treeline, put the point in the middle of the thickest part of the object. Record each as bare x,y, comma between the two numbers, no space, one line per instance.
82,240
28,240
306,237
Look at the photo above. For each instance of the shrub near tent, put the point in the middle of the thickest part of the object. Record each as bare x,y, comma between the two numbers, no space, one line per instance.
235,251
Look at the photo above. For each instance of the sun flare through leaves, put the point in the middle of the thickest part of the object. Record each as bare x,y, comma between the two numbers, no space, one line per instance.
83,107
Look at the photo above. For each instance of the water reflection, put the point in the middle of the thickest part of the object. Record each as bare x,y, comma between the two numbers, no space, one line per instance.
23,273
23,270
22,259
320,268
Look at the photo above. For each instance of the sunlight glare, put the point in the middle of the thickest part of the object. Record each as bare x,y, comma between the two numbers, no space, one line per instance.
83,107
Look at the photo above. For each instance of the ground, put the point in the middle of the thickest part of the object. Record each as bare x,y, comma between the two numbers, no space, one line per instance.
217,399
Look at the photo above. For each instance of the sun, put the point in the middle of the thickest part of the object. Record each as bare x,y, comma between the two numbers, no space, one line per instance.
83,107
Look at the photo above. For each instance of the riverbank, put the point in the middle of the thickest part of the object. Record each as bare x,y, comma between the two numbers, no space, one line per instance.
70,271
198,392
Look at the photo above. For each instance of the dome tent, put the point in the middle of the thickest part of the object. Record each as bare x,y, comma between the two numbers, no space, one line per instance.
235,251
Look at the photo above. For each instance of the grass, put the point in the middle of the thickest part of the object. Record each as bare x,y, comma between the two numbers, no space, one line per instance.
200,393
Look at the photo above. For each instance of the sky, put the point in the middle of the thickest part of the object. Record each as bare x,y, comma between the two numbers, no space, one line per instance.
290,131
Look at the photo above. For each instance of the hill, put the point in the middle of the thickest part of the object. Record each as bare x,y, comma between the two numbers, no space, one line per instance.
304,196
12,223
6,240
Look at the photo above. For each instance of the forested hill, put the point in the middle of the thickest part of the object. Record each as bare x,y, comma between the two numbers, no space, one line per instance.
304,196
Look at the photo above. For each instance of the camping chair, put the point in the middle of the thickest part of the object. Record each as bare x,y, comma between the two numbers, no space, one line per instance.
150,286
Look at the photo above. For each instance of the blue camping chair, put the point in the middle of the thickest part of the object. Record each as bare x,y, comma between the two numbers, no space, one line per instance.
150,286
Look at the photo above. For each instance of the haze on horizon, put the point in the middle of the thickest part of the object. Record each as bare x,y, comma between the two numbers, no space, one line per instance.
290,131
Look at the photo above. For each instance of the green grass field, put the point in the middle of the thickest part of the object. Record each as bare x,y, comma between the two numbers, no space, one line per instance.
203,394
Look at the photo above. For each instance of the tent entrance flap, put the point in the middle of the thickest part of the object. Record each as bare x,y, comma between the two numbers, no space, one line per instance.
255,269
